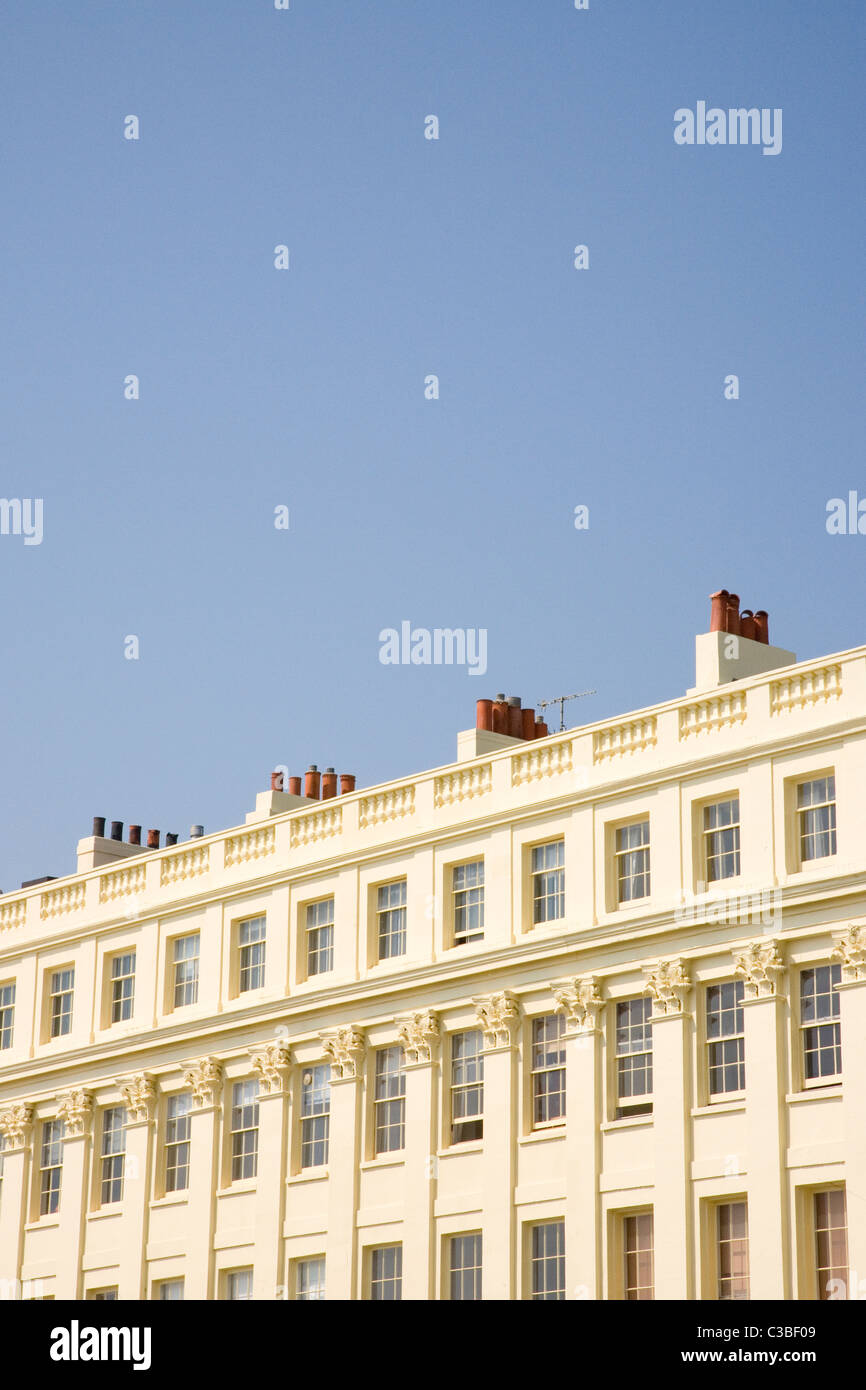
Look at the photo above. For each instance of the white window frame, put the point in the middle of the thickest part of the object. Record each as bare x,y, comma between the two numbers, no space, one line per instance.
714,835
122,1002
252,953
243,1121
319,937
180,965
466,907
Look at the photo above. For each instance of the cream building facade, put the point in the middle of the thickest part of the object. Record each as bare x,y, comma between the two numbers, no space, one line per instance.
577,1016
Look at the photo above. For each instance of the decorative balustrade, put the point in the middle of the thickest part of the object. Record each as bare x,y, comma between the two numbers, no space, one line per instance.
393,804
188,863
13,914
632,736
121,883
318,825
716,712
806,688
57,901
252,844
538,763
468,782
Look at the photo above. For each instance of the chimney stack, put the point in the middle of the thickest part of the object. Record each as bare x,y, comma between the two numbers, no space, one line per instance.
762,626
484,714
276,781
171,838
329,784
196,832
117,830
294,786
347,782
135,834
99,827
311,782
153,839
719,611
733,615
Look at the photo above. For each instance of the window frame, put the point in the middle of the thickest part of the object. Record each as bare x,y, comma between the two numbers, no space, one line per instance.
709,833
383,1104
111,1182
815,1193
175,965
249,980
718,1206
465,1086
625,1250
387,911
476,1269
312,950
535,1071
243,1096
49,1192
121,1000
541,1293
387,1279
801,813
834,1078
7,1014
715,1097
53,1014
299,1294
172,1145
639,1106
307,1122
534,874
455,909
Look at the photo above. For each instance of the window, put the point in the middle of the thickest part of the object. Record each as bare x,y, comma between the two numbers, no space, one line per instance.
548,882
816,818
638,1256
251,943
186,951
389,1102
170,1291
245,1129
386,1274
61,987
177,1141
320,937
831,1244
725,1041
315,1115
122,987
632,862
547,1261
548,1070
634,1057
239,1285
732,1227
102,1295
722,840
113,1154
467,889
7,1014
467,1087
391,919
819,1007
310,1279
465,1253
50,1166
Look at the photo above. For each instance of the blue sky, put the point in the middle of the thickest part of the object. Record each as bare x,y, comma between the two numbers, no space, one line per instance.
305,388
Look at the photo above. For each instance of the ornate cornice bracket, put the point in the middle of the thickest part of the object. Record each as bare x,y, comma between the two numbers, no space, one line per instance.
272,1064
15,1122
139,1094
580,1001
851,954
759,963
75,1109
419,1034
499,1017
204,1077
345,1048
669,984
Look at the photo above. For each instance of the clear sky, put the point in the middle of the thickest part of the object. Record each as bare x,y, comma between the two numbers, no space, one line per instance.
305,388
